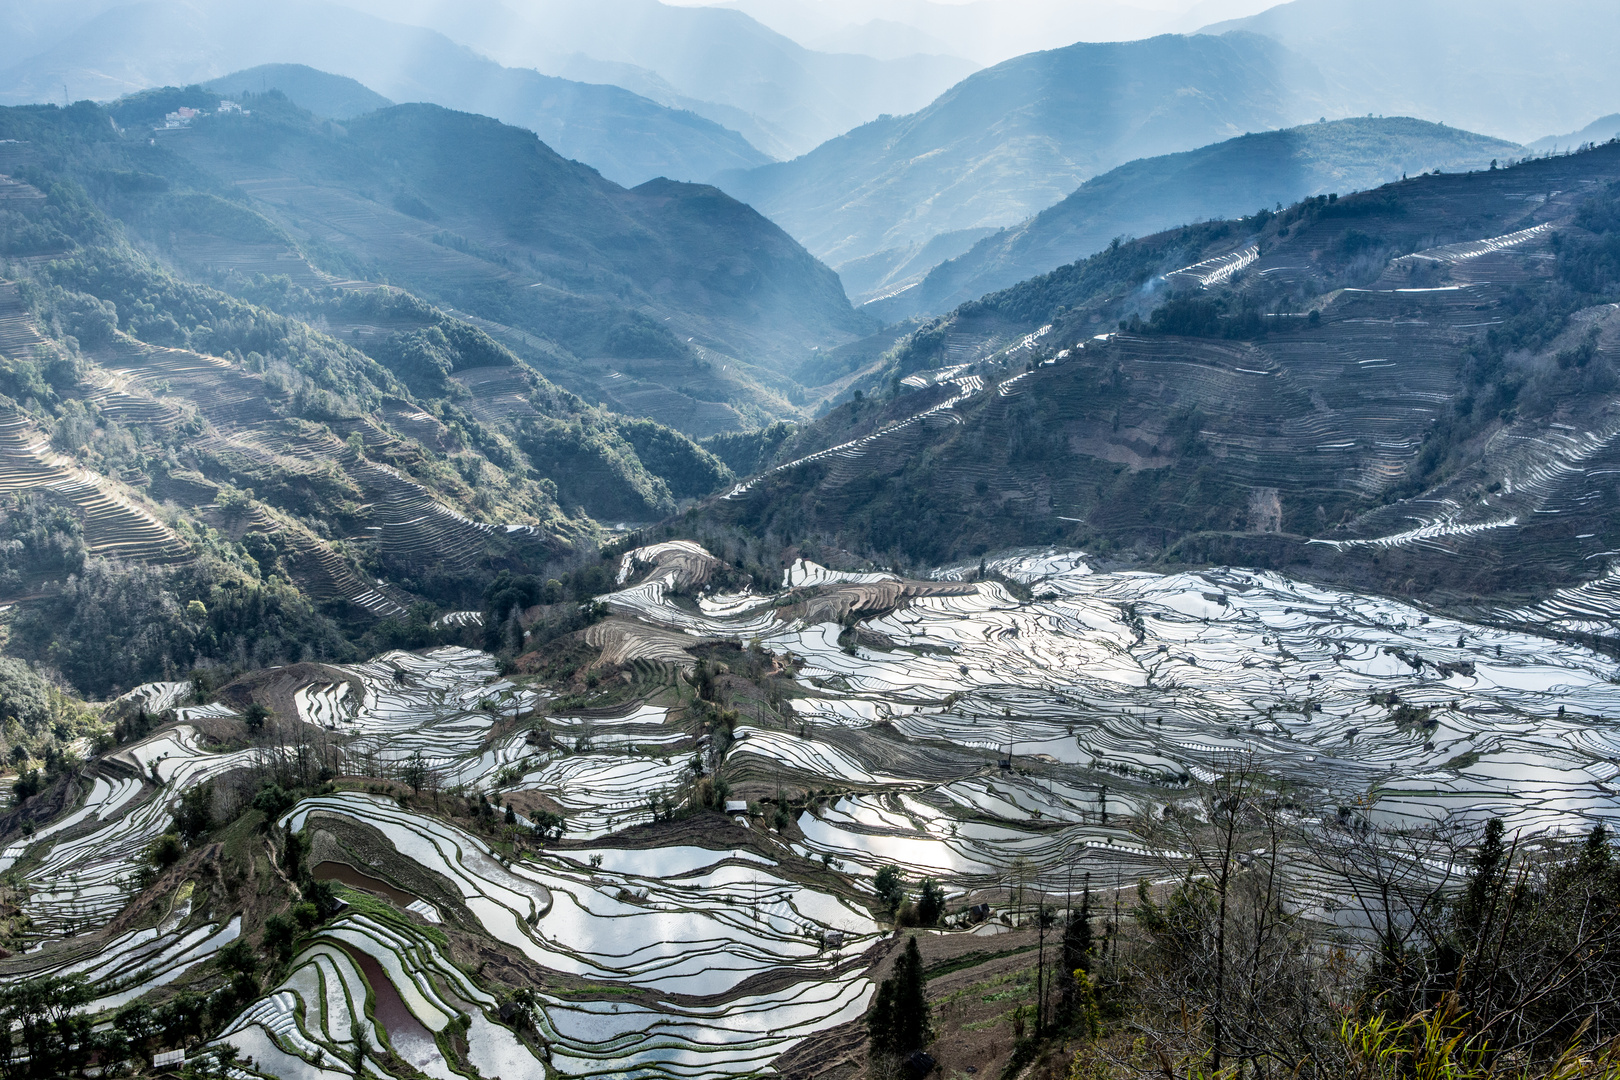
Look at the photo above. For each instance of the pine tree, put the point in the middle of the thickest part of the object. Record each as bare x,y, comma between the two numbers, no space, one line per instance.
913,1026
1077,946
880,1021
899,1021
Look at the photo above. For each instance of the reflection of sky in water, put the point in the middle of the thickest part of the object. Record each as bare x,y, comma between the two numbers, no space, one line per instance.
1227,661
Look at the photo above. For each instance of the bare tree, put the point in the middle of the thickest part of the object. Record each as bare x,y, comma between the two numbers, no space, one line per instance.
1232,975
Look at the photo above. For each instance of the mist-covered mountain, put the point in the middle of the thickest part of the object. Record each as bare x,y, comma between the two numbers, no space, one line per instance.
1600,130
324,94
178,42
719,63
1012,140
670,300
1487,65
988,31
191,408
1224,180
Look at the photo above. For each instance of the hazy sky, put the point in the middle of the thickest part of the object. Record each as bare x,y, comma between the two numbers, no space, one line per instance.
987,31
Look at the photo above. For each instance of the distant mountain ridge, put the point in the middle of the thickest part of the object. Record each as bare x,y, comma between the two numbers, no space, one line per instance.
332,96
1010,141
786,99
669,300
1224,180
1600,130
1498,66
176,42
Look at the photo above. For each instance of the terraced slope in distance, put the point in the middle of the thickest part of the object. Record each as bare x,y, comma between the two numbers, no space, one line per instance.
1226,179
1342,411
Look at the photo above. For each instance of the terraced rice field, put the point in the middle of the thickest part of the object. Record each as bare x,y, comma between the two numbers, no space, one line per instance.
81,868
313,1024
140,385
1110,691
988,739
116,525
697,923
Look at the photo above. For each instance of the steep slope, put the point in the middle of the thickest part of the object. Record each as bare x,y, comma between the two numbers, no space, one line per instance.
723,65
178,42
323,94
1012,140
1495,66
672,301
308,459
1225,180
1410,389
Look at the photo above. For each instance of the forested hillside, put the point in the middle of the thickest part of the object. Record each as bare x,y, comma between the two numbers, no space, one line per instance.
216,454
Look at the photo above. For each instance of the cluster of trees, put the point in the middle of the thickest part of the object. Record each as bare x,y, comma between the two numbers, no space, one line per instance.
923,910
1293,945
156,307
1290,945
748,452
40,379
33,710
565,600
37,722
44,1035
899,1021
1194,316
114,626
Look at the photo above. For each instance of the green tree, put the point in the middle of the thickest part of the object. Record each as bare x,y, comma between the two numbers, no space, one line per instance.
195,814
415,773
891,888
547,825
279,932
1077,949
900,1020
41,1034
138,1027
930,902
292,854
165,851
273,800
239,957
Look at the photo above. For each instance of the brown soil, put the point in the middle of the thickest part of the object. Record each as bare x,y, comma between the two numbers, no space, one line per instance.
348,875
406,1035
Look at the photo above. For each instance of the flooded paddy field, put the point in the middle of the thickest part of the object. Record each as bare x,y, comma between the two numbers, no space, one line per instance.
1016,721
